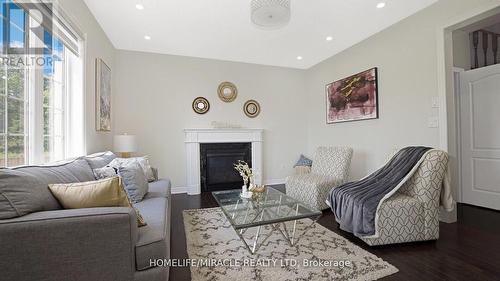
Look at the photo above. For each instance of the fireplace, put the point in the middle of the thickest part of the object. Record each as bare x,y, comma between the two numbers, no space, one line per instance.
216,165
196,138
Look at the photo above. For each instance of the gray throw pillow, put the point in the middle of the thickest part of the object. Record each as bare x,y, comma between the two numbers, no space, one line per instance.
76,170
134,180
99,160
303,161
22,193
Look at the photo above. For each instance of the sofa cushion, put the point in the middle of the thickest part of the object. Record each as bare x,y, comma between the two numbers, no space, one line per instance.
152,242
22,193
77,170
159,188
100,159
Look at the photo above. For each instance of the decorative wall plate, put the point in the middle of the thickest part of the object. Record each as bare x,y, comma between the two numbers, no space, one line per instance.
227,91
251,108
201,105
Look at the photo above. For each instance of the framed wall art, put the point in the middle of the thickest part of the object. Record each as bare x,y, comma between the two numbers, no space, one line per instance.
103,96
251,108
200,105
227,91
353,98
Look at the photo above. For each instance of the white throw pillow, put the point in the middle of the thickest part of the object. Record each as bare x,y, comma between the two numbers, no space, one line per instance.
142,161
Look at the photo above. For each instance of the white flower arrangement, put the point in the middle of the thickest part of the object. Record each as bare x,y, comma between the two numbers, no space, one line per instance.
245,171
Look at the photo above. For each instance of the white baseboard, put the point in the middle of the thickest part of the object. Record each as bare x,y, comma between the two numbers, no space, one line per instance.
184,189
273,181
179,189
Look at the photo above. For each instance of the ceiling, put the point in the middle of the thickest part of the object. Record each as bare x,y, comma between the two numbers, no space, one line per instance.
221,29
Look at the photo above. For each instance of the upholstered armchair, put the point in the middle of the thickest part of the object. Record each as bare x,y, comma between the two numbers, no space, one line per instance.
330,168
412,213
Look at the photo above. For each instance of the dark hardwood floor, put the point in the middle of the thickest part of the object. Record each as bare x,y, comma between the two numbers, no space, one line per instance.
467,250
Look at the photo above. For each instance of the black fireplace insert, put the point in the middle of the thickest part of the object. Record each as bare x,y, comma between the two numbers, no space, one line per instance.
216,165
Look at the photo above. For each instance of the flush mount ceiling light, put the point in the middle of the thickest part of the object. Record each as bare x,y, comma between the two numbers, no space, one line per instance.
139,6
380,5
270,14
299,58
147,37
329,38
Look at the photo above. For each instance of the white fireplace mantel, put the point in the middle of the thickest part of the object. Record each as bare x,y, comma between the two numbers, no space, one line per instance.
193,138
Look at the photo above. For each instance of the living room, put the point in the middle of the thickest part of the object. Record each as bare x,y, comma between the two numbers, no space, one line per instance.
249,140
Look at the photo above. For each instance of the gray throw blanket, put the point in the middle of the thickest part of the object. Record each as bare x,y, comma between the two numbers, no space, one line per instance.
355,203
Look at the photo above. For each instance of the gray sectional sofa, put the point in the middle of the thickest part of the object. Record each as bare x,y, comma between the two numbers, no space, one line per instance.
41,241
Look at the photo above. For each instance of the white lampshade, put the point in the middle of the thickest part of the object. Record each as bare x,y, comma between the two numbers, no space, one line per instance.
125,143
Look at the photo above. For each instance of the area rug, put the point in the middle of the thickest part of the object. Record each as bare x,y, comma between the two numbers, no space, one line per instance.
217,253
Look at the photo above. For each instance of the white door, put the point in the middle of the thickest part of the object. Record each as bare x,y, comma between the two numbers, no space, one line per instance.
480,136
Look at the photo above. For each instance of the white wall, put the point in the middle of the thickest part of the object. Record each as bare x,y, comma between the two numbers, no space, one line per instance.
97,46
153,96
406,55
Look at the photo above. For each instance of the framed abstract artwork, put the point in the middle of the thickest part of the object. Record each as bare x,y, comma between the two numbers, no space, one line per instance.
353,98
103,96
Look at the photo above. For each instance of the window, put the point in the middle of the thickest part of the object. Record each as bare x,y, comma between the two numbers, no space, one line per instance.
54,101
36,112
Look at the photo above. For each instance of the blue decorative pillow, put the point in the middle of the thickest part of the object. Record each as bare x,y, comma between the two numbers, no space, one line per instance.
134,181
303,161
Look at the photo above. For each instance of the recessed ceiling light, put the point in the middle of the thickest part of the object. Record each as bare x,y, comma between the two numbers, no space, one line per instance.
299,57
139,6
147,37
381,5
329,38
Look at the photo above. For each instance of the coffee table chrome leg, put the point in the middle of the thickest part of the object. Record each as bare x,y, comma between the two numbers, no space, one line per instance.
245,220
245,242
294,224
257,234
255,240
291,237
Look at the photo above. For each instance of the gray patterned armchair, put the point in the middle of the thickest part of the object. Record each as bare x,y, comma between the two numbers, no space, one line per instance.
330,168
412,213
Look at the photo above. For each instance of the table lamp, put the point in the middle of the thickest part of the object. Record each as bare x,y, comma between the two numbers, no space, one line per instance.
125,144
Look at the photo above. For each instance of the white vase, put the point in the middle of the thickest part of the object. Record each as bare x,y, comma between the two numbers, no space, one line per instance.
245,193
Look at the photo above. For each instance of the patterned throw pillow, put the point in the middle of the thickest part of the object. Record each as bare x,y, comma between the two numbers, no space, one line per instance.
104,172
303,161
142,161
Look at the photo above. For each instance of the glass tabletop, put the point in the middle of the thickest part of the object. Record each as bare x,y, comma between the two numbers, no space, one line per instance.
272,206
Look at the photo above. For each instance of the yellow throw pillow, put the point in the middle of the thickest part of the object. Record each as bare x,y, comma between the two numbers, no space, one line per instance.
107,192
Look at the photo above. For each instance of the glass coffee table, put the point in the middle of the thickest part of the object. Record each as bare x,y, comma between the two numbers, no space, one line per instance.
272,208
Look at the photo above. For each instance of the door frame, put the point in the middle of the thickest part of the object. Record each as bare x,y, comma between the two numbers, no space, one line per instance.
449,132
457,72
